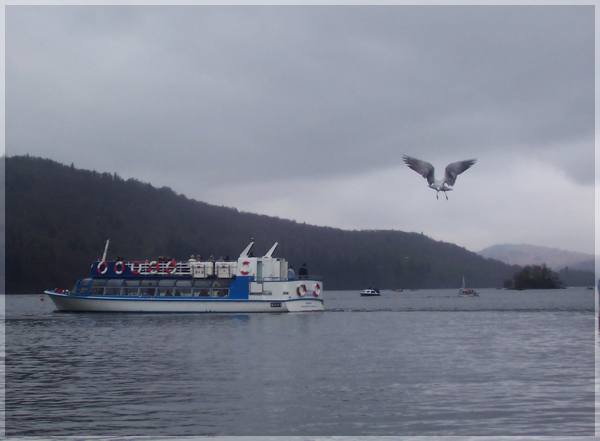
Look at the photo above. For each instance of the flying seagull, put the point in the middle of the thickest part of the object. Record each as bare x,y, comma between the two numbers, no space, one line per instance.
426,170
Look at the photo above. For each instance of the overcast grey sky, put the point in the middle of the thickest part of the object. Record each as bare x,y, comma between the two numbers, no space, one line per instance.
304,112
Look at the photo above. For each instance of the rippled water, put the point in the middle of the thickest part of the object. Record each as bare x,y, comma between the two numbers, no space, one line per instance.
416,363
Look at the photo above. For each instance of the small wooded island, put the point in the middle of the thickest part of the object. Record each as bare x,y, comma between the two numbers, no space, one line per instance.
535,277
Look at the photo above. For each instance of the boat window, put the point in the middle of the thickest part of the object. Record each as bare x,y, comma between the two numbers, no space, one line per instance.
220,292
220,288
167,282
84,286
182,292
97,287
221,283
130,287
148,282
183,288
114,282
132,282
201,288
112,291
148,287
165,287
113,287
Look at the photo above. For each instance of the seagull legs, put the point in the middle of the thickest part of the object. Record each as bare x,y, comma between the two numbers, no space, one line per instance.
437,194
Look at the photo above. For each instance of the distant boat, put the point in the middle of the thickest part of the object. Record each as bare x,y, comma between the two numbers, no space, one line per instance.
464,291
370,292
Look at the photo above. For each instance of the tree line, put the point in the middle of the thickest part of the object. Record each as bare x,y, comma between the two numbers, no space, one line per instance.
535,277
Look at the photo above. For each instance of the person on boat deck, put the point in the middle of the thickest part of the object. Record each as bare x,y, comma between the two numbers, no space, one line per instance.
220,259
291,273
192,258
303,272
226,257
199,257
211,264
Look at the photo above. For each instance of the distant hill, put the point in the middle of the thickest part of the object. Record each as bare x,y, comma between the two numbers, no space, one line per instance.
536,255
58,218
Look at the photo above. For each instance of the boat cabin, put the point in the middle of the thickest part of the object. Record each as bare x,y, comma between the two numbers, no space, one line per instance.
192,278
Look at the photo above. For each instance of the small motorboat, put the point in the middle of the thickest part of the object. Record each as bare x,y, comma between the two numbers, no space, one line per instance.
370,292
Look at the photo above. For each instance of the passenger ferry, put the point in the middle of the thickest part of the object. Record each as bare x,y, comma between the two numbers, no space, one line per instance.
250,284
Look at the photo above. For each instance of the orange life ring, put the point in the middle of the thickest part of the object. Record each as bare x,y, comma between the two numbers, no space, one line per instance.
301,290
317,290
242,270
105,268
136,271
168,269
154,264
121,265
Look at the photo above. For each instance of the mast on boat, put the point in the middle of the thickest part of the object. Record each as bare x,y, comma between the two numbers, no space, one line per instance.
105,250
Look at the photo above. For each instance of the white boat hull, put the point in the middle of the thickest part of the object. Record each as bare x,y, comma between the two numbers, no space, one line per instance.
370,292
68,302
468,293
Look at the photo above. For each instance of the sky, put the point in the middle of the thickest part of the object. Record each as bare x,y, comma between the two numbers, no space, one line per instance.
304,112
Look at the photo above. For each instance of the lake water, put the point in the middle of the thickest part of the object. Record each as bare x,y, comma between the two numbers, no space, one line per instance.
422,363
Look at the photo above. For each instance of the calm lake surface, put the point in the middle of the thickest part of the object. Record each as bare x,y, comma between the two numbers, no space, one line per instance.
419,363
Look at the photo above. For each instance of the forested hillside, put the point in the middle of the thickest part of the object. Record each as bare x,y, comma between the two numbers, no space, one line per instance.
59,218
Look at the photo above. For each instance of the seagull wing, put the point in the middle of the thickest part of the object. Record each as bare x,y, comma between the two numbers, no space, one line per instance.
455,169
424,168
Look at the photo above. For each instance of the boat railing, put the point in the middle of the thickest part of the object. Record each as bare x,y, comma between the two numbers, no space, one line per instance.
309,277
270,279
192,268
285,278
